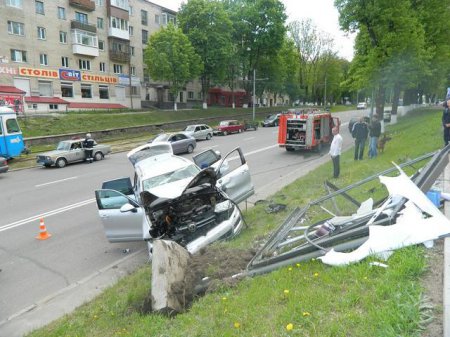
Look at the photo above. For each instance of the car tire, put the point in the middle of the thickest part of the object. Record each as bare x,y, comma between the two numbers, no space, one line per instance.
98,156
225,133
190,148
208,136
240,130
61,162
289,148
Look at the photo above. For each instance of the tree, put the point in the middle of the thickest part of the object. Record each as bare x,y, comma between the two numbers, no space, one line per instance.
209,29
170,57
259,29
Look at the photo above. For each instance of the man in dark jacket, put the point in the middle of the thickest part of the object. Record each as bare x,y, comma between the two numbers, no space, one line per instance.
446,122
88,145
360,132
374,134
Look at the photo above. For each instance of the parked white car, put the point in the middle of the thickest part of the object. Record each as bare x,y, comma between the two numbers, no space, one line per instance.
199,131
173,198
361,106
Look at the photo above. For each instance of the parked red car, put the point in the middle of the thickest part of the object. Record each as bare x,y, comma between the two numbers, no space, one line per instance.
230,126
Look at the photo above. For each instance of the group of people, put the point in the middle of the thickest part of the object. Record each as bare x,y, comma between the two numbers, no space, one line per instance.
360,131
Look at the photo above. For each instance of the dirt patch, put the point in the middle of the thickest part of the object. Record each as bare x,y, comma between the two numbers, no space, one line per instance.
433,283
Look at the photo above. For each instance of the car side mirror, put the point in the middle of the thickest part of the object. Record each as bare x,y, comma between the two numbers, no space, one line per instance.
128,208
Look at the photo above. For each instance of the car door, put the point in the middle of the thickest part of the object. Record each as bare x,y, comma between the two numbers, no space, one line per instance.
122,217
234,176
177,146
76,152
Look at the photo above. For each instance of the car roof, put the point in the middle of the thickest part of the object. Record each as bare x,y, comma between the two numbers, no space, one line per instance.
157,165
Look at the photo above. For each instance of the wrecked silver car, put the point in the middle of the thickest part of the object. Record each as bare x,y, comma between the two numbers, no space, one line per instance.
175,199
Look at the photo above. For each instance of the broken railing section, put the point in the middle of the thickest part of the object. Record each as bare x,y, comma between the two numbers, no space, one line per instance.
309,232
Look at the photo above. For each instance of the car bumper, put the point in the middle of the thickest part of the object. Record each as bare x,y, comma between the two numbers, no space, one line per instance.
45,162
4,169
227,228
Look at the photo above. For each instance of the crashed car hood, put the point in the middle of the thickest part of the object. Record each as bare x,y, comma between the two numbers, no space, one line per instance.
178,188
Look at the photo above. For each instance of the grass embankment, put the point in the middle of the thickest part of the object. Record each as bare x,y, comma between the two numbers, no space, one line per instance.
307,299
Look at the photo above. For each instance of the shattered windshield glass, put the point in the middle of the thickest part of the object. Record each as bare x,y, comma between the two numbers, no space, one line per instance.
170,177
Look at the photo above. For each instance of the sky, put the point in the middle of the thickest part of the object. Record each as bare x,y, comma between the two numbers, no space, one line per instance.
322,12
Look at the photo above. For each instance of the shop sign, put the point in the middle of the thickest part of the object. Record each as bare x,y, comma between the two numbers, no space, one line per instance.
69,75
8,70
35,72
125,80
99,78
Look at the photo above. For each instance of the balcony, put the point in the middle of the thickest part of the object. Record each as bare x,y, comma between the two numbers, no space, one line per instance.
74,24
118,33
86,5
119,56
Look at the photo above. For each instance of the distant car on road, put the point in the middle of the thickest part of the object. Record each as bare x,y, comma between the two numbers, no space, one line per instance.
387,115
71,151
199,131
271,120
229,126
3,165
180,142
361,106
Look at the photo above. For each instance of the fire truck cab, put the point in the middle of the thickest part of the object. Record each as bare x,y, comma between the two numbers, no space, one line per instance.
306,130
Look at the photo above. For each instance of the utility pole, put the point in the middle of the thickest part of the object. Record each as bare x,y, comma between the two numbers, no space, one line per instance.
254,94
325,98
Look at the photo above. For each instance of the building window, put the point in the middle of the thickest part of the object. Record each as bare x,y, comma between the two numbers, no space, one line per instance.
99,2
101,45
39,7
190,95
119,23
100,23
121,4
18,55
86,91
103,91
66,89
63,37
61,13
84,64
103,67
16,28
144,36
131,30
14,3
41,33
53,106
134,91
133,71
43,59
45,88
81,17
65,61
117,69
132,51
144,19
157,19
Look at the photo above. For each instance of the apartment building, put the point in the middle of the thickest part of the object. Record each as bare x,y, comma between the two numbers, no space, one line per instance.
64,55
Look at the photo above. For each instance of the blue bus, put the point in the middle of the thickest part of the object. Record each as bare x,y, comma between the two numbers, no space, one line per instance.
11,139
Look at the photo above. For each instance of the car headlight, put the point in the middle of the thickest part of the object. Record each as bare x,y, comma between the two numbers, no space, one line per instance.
223,206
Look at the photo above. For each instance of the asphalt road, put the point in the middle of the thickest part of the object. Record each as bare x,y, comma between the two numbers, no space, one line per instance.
33,271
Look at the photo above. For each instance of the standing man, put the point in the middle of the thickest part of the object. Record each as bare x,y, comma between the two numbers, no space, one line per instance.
335,151
360,132
88,145
446,122
374,134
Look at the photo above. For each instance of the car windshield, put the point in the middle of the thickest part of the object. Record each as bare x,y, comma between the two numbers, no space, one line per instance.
170,177
271,117
162,138
224,123
63,146
190,128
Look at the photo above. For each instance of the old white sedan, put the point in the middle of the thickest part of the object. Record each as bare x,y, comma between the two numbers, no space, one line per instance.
173,198
199,131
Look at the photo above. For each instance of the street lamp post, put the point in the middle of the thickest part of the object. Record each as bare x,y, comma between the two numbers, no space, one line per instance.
254,98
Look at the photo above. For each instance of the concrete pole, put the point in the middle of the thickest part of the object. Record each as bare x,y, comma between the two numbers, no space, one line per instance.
254,92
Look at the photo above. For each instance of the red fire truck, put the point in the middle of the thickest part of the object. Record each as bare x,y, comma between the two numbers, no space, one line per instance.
306,130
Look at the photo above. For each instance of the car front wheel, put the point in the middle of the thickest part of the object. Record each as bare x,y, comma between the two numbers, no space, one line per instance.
98,156
225,133
190,148
61,162
208,136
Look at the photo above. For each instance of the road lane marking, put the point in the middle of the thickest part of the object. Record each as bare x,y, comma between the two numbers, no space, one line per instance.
249,138
46,214
56,181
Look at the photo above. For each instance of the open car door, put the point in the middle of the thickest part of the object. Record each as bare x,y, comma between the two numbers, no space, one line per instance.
122,217
234,176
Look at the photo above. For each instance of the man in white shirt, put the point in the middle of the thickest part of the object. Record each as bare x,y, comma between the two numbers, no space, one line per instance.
335,151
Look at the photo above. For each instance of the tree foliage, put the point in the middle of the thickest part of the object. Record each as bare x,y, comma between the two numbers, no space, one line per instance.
170,57
209,29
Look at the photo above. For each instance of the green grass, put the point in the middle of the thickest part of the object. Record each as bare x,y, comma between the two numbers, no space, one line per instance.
318,300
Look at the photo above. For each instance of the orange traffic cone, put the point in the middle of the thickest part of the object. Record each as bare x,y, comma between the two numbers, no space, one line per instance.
43,234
